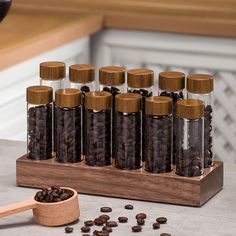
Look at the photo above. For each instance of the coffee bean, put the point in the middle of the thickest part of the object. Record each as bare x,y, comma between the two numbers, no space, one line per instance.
122,219
68,129
140,221
156,225
137,228
39,119
102,233
85,234
129,207
158,152
53,195
161,220
95,232
98,222
111,224
165,234
98,137
106,217
106,209
141,216
127,140
89,223
85,229
107,228
69,229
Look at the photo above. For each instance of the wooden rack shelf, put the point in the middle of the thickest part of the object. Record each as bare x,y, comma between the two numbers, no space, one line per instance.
112,182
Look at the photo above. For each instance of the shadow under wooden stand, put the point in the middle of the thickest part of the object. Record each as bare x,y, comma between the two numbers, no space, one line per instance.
112,182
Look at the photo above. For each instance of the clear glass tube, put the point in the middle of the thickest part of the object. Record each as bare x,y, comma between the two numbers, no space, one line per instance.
175,96
158,143
68,129
39,131
98,137
189,147
208,100
127,140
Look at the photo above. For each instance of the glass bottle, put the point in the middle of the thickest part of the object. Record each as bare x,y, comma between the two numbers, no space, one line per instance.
98,128
158,134
39,122
112,79
172,84
53,73
68,125
141,81
189,137
82,76
127,131
201,86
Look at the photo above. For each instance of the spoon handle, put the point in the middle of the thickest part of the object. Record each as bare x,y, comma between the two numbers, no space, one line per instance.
17,207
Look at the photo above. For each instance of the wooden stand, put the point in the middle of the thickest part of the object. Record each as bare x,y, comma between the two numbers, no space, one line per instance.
112,182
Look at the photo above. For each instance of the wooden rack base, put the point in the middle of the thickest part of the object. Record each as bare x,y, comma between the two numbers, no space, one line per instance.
112,182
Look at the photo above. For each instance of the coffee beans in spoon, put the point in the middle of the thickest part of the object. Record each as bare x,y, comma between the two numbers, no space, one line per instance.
53,194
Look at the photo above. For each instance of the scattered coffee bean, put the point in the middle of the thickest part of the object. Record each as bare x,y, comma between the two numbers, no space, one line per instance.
106,209
161,220
123,219
106,217
137,228
85,229
53,195
140,221
141,216
98,222
69,229
89,223
68,130
127,140
107,228
98,137
95,232
103,233
111,224
156,225
165,234
129,207
39,119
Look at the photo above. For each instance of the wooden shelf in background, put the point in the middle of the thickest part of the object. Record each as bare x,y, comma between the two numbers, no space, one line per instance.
112,182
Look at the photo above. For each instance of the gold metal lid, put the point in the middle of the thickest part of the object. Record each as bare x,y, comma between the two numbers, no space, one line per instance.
39,94
171,80
190,108
82,73
52,70
68,97
98,100
112,75
128,102
200,83
140,78
158,105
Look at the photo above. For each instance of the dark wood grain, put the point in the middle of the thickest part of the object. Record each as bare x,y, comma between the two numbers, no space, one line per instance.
109,181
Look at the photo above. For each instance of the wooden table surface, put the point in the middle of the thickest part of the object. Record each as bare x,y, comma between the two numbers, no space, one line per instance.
216,218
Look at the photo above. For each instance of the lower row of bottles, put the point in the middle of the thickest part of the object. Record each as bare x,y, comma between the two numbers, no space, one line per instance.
125,129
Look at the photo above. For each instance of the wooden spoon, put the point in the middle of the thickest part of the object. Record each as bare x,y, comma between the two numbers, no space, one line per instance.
47,214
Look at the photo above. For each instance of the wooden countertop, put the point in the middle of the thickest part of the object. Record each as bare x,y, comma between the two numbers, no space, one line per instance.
27,33
33,27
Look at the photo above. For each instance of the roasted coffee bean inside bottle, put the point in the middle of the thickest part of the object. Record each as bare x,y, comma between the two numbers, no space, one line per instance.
68,125
171,84
189,139
39,122
98,128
